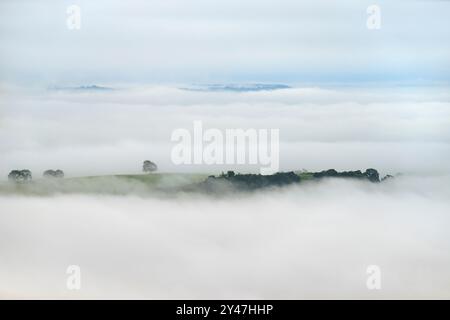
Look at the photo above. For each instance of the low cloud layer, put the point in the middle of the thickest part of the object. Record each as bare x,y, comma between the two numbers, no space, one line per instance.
311,241
393,130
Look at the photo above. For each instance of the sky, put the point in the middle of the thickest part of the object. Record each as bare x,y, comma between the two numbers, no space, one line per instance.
201,41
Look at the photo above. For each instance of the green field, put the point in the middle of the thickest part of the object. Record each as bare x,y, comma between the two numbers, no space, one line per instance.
123,184
139,184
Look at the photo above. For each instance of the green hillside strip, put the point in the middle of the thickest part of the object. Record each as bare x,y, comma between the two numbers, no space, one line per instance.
174,183
139,184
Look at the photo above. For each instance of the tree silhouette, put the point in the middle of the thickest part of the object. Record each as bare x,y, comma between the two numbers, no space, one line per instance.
53,174
149,166
20,176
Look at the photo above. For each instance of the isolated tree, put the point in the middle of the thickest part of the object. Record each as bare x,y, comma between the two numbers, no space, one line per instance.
20,176
53,173
149,166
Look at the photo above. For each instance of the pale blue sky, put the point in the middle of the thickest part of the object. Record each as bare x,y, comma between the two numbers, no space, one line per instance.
198,41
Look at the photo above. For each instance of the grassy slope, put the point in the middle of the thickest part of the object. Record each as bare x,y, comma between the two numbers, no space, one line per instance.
138,184
149,179
112,184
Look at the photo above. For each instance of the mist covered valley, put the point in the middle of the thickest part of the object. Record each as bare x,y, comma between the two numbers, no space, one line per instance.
314,239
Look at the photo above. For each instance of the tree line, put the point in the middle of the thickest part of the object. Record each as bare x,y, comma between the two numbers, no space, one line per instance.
25,175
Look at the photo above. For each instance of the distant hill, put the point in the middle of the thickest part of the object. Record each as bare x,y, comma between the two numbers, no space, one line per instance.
82,88
237,87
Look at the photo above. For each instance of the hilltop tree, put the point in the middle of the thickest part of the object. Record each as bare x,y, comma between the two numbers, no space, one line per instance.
20,176
149,166
53,173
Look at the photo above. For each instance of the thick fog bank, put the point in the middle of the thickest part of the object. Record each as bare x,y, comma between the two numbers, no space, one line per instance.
315,240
